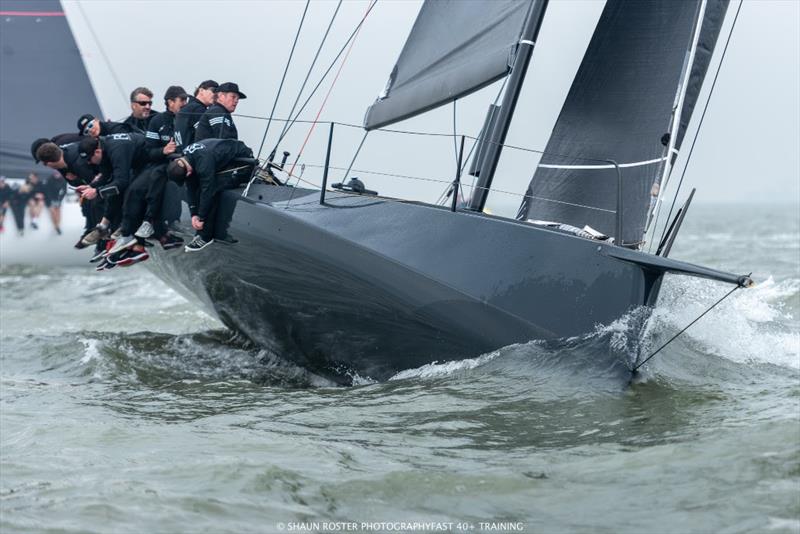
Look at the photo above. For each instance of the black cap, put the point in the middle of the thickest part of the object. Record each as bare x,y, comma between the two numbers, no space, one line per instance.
175,91
87,147
230,87
208,84
83,121
35,146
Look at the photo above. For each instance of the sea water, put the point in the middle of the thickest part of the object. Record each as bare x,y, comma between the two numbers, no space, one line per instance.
123,408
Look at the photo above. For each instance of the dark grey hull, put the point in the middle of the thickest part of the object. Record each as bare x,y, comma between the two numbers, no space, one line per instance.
376,286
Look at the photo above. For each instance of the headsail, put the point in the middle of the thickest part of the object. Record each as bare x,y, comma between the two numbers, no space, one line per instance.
620,107
455,47
44,83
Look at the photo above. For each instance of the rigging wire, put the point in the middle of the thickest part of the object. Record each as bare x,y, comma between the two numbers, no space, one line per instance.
325,74
352,42
283,78
122,92
353,161
728,294
308,74
697,132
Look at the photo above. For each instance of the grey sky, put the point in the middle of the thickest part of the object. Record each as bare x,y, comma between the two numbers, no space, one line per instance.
748,149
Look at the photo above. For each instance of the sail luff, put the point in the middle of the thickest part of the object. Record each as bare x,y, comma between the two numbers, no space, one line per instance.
671,152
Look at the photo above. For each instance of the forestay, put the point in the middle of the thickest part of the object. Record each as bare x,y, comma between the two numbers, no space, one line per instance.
454,48
621,107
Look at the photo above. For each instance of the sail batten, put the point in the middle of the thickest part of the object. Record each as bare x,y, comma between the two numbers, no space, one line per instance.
622,106
455,47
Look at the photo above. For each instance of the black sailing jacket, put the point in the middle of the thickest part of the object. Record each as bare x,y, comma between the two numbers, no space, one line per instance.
124,155
207,158
186,121
216,123
160,131
77,165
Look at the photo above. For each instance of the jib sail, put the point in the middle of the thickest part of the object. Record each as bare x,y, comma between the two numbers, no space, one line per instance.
643,68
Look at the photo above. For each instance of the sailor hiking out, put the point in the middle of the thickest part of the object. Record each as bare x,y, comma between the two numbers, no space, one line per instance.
198,168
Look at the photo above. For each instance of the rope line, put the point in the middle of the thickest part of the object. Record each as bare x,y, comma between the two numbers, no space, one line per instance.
283,78
327,71
330,89
728,294
310,69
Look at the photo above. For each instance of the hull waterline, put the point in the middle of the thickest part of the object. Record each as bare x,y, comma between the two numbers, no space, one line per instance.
374,286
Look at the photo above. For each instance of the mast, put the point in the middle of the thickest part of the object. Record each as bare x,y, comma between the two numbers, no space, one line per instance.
494,143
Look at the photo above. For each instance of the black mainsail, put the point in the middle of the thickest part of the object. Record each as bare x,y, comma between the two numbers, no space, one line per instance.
455,47
43,80
624,106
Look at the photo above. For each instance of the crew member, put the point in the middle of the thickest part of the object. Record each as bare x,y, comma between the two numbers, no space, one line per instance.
118,158
141,109
198,167
88,124
78,172
149,188
146,193
216,122
188,117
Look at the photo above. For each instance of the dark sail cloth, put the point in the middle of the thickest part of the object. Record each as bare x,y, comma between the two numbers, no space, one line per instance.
203,186
186,122
216,123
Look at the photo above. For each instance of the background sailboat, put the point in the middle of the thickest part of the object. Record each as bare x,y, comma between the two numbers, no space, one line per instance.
44,88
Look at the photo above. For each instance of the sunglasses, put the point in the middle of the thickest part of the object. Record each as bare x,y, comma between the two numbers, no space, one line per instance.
144,103
88,128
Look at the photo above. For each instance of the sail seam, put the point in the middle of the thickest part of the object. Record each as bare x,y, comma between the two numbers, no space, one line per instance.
590,167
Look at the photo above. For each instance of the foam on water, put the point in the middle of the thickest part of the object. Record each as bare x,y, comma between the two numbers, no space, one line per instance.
751,326
436,370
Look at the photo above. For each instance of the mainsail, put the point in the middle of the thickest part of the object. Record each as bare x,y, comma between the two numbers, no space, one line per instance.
455,47
43,80
620,108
